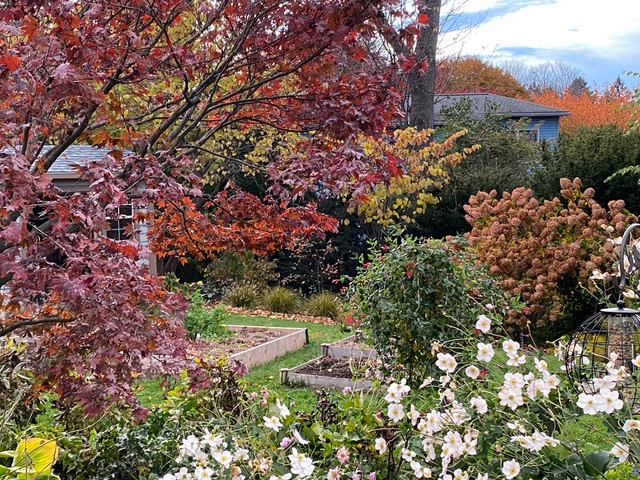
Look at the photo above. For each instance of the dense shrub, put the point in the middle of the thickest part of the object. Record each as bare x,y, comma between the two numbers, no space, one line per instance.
591,154
281,300
417,293
323,304
504,161
232,269
201,322
543,252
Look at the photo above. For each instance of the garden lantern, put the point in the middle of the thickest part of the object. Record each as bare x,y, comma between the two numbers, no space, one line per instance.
602,352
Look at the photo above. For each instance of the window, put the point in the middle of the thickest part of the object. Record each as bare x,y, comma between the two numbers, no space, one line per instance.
121,227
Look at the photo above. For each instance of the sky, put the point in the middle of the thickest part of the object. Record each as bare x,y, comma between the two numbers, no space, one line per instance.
599,38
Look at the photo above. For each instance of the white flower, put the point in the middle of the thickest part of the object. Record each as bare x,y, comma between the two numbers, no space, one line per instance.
168,476
223,458
273,423
299,438
381,446
202,473
610,401
483,324
510,397
472,371
429,380
458,474
301,465
513,380
541,365
446,362
589,403
621,451
631,425
485,352
396,391
510,347
483,476
515,360
286,476
284,411
510,469
413,415
407,455
395,412
516,426
479,404
636,361
214,441
420,471
241,455
183,474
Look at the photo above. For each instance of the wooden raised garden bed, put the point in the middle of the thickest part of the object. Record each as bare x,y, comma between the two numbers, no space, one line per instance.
291,339
350,347
324,372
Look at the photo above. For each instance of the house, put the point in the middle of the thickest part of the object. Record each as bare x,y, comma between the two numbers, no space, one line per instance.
542,122
64,175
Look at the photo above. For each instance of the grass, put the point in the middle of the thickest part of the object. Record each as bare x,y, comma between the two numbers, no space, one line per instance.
268,375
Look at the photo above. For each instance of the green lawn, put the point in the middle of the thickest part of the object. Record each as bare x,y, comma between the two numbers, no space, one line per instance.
268,375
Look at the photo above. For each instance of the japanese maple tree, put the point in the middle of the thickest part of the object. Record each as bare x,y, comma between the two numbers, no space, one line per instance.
162,84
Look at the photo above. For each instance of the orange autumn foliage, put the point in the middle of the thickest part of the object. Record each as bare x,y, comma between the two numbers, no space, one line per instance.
608,107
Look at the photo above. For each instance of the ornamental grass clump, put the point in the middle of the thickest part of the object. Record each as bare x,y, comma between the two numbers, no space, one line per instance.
494,410
417,293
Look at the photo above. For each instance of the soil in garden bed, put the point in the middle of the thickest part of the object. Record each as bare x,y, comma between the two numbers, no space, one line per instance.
238,341
335,367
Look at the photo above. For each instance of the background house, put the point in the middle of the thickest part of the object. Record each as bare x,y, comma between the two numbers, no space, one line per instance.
64,175
542,122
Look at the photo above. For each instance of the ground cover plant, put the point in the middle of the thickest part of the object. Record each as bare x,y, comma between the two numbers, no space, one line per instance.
495,410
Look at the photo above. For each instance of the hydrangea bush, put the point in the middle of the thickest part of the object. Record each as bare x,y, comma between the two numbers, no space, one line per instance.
494,411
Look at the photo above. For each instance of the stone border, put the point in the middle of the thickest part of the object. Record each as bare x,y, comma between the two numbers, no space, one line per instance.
293,376
294,339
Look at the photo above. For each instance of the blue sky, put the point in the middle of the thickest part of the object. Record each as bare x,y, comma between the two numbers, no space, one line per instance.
600,38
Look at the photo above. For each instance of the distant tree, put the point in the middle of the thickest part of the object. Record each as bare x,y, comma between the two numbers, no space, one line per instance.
551,75
609,106
471,75
578,87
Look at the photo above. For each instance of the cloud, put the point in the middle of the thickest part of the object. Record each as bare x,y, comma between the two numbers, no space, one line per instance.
581,32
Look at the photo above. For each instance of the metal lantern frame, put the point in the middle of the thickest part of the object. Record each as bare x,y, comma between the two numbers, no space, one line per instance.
609,340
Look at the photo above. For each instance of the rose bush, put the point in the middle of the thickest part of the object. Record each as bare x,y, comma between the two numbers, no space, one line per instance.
419,292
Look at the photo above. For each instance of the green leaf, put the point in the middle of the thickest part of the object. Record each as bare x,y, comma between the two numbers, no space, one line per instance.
597,463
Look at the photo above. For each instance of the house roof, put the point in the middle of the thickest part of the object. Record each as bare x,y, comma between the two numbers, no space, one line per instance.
481,103
63,166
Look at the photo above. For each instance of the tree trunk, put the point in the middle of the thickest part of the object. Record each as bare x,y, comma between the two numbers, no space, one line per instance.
422,85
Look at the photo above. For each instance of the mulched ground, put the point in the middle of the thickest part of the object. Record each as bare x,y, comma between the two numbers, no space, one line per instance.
286,316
